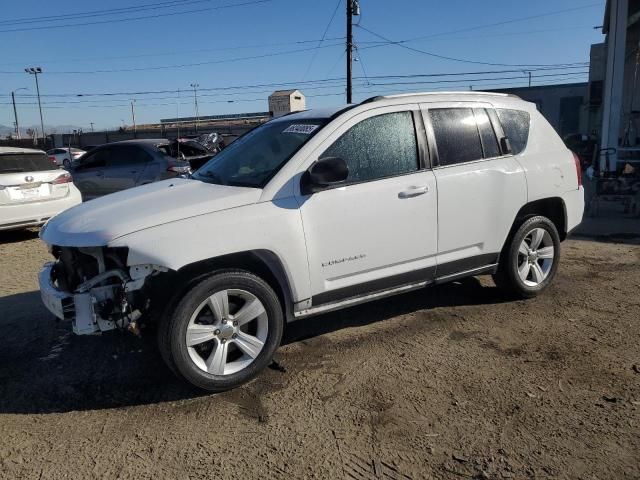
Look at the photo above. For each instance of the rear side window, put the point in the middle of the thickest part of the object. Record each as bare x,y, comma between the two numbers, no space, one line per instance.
457,137
127,155
378,147
515,124
487,135
25,162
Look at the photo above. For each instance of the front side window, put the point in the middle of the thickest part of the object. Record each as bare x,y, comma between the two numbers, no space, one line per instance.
378,147
515,124
254,158
457,137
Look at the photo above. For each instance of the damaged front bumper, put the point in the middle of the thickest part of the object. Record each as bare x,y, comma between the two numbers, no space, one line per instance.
96,305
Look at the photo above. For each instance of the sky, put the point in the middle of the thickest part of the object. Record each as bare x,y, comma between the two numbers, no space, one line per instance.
99,56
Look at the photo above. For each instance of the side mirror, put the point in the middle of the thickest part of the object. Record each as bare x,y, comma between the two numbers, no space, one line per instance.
325,173
505,146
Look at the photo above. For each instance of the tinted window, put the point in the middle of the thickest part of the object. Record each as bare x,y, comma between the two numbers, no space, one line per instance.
378,147
487,135
515,124
457,137
96,159
127,155
25,162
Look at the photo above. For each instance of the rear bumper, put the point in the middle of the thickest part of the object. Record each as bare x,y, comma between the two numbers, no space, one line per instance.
574,203
36,213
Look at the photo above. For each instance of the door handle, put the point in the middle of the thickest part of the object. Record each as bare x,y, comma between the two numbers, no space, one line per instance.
414,191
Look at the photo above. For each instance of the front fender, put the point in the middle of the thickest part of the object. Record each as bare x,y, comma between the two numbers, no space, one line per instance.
261,226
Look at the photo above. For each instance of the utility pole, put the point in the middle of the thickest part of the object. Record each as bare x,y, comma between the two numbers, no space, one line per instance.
91,126
133,116
349,48
195,102
35,71
15,113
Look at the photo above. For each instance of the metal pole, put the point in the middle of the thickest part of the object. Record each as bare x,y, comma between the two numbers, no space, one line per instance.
40,106
529,78
15,114
133,116
91,126
349,48
195,102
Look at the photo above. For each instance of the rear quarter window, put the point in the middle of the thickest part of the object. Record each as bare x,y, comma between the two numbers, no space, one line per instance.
515,124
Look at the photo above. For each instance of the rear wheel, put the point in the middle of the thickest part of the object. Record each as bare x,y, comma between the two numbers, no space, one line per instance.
223,332
66,163
530,259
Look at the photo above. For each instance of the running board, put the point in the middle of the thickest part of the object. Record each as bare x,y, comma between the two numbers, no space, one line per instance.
330,307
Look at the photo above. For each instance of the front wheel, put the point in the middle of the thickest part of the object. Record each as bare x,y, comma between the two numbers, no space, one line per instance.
530,260
223,332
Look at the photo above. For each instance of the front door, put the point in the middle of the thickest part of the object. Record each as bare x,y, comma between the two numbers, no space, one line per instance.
379,230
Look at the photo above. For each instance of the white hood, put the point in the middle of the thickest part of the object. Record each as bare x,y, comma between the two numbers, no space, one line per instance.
100,221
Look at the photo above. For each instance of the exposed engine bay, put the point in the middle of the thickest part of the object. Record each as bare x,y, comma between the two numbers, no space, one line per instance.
94,288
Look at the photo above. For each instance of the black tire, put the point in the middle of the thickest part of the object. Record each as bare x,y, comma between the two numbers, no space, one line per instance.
66,163
507,277
173,328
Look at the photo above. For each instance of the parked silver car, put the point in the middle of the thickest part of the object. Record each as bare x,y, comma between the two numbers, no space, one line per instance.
117,166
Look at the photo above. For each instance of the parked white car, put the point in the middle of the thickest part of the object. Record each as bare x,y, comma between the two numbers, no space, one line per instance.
316,211
63,157
32,190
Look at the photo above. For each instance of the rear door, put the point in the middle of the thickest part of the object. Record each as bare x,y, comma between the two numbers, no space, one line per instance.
480,190
125,166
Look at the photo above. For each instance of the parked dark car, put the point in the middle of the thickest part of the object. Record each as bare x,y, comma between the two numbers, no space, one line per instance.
117,166
189,150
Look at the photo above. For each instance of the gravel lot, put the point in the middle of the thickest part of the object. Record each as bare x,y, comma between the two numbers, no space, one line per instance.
451,382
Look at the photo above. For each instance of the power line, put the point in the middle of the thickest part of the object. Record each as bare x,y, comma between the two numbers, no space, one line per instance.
130,19
324,34
365,82
182,52
182,65
100,13
243,88
444,57
505,22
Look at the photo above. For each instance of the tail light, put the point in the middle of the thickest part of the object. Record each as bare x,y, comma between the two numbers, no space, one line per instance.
53,159
179,170
576,159
64,178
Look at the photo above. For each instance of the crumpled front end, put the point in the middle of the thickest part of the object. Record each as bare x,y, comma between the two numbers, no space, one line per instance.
94,289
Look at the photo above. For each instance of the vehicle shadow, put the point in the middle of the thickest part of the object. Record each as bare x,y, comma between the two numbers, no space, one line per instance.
44,368
17,236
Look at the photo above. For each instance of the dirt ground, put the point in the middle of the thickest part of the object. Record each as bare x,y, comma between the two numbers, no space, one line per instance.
450,382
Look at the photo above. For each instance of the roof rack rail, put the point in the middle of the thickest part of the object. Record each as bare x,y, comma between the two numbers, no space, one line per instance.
416,94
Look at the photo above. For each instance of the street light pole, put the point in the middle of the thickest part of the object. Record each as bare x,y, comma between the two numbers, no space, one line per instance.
133,115
195,102
35,71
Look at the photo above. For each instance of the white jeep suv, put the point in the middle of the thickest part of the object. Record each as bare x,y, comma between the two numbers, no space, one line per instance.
316,211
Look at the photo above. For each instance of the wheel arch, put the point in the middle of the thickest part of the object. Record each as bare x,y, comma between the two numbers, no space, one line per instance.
262,263
553,208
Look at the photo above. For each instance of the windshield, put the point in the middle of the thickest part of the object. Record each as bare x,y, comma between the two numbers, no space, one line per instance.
257,156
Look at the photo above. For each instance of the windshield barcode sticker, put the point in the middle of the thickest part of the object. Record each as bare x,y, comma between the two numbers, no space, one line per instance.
304,129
